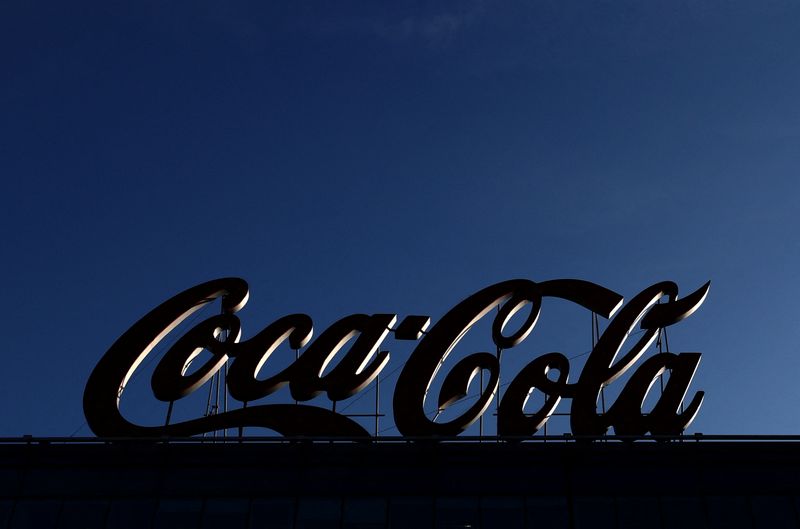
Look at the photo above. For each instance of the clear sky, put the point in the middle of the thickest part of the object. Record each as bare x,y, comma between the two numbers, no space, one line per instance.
397,157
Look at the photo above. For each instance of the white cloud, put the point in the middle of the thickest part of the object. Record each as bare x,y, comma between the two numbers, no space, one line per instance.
435,28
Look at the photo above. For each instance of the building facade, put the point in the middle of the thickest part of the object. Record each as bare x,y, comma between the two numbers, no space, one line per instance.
686,483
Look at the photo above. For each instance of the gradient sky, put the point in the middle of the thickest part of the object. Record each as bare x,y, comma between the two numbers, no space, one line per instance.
362,157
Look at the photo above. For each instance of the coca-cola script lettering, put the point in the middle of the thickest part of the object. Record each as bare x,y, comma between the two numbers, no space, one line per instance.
655,308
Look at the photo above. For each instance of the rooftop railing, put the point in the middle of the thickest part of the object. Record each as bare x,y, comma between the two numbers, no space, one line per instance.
251,439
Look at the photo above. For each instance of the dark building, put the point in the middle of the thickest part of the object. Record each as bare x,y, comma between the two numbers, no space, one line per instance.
686,483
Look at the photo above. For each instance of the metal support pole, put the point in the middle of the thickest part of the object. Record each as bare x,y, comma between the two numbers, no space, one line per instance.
480,419
169,412
377,402
225,394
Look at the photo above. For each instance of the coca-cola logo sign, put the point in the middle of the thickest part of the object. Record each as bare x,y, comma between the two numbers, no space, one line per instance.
653,309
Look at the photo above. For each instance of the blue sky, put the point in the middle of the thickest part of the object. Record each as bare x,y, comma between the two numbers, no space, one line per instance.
349,158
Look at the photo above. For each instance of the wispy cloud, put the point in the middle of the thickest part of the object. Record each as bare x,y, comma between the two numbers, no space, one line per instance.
436,26
432,27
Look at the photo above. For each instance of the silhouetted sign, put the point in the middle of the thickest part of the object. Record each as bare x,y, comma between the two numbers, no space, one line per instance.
363,361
